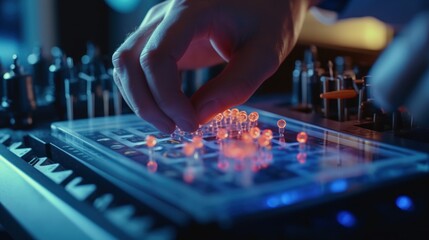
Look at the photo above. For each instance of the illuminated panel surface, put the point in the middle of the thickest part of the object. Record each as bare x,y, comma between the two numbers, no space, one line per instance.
233,166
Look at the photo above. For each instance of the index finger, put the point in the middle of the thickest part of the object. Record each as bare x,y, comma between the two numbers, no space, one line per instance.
159,58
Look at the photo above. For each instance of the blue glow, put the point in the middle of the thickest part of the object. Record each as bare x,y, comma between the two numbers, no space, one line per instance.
9,10
8,47
273,202
346,219
288,198
123,6
404,203
339,185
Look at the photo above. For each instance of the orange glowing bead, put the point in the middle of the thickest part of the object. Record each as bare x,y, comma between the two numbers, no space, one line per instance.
234,112
255,132
237,153
302,137
198,142
253,116
268,134
242,117
222,133
218,117
263,141
281,123
239,150
230,150
188,149
150,141
226,113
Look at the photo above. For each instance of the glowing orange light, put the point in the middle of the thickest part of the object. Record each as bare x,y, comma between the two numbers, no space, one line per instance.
198,142
234,112
242,116
263,141
233,151
189,175
218,117
246,138
226,113
253,117
223,165
150,141
152,166
238,150
222,133
188,149
268,134
255,132
281,123
302,137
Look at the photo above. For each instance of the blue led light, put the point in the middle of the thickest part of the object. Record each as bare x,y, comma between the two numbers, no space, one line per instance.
287,198
404,203
273,202
346,219
339,185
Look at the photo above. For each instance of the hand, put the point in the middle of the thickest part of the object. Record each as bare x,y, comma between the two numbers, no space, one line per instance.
253,36
400,76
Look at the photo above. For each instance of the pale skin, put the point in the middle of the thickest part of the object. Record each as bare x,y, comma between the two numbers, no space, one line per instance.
253,37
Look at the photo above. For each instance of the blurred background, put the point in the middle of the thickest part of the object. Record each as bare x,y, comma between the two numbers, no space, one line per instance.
26,25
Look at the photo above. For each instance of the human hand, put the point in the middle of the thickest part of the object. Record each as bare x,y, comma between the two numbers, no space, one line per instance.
253,36
400,76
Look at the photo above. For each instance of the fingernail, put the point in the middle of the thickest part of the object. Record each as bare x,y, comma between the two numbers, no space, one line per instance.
206,110
187,125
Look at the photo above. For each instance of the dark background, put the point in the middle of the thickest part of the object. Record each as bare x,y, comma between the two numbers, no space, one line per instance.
81,21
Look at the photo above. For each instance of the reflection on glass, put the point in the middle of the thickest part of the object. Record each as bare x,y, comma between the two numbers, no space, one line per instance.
152,166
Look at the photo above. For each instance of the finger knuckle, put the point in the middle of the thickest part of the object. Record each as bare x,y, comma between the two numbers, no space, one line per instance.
120,56
148,58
